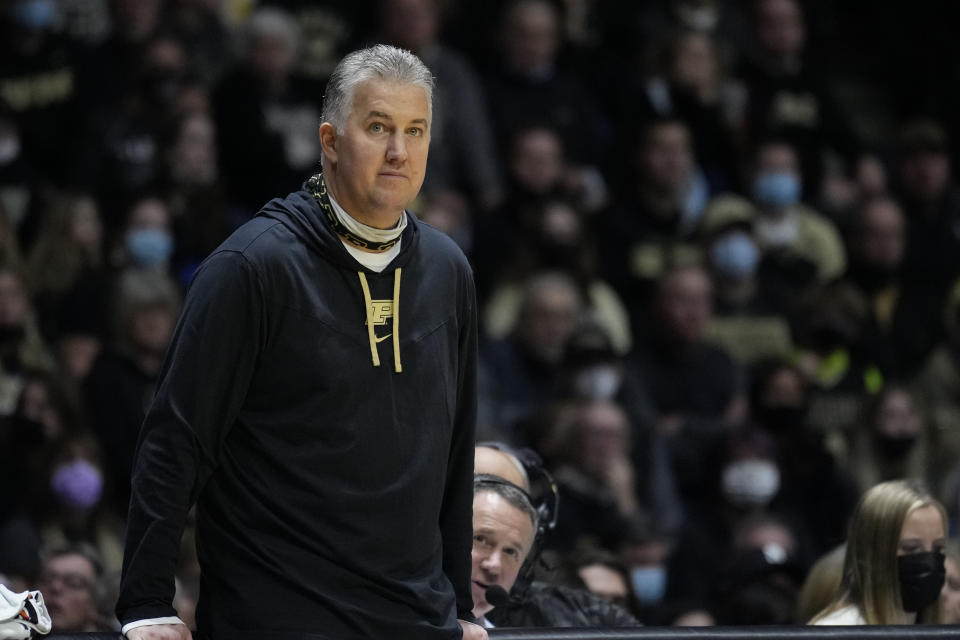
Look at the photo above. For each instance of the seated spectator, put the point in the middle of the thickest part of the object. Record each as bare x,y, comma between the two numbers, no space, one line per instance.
520,372
690,85
45,414
193,193
504,525
644,550
538,174
650,226
263,109
695,387
66,266
597,479
121,384
788,95
747,322
894,566
71,584
592,371
902,321
532,84
199,26
892,441
761,580
121,155
557,239
812,483
147,240
827,330
931,202
111,70
806,245
75,510
741,483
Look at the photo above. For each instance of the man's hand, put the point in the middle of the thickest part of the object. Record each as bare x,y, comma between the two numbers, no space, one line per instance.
169,632
473,631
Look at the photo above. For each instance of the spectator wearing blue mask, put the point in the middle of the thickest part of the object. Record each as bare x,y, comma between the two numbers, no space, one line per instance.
147,240
747,319
807,244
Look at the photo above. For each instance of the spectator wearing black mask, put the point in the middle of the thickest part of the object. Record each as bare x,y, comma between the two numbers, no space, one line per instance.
812,484
892,441
894,564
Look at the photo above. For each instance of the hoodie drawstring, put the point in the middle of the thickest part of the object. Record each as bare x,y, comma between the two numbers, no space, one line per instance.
396,321
371,335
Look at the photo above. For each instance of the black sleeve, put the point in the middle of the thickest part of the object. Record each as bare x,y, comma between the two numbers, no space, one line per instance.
202,387
456,515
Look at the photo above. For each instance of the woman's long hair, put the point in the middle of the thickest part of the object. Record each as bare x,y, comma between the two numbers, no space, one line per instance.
870,578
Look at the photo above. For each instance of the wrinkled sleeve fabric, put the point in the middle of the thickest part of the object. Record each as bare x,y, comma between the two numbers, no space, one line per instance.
456,515
202,386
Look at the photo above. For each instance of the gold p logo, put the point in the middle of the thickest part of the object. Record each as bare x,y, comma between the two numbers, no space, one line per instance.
381,311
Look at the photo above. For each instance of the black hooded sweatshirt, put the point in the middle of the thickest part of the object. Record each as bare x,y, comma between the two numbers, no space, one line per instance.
334,495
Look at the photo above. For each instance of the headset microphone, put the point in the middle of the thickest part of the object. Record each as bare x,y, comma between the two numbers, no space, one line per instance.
497,596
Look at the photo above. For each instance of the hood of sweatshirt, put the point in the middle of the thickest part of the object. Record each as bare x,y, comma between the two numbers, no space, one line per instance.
301,212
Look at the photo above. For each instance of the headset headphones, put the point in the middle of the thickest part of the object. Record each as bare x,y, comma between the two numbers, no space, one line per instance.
543,493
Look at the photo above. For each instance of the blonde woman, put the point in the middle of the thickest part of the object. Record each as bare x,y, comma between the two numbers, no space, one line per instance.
894,565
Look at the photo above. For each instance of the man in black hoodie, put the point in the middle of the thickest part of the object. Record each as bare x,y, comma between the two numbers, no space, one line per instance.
332,473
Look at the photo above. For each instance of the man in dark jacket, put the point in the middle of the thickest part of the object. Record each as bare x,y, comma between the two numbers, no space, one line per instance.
506,521
332,473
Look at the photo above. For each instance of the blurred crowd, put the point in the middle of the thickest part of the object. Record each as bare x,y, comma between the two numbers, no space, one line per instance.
716,245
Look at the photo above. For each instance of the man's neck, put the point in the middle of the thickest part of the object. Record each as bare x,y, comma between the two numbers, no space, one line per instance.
350,228
375,219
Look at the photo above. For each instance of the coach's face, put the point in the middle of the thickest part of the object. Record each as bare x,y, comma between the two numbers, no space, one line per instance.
376,164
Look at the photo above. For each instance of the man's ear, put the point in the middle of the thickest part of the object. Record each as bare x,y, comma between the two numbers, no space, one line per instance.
328,141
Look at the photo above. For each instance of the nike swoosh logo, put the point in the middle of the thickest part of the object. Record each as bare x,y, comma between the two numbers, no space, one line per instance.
379,340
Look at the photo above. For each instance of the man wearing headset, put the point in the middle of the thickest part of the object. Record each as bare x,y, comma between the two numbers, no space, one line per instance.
514,508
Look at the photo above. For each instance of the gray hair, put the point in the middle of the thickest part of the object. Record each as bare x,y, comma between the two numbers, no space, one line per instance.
514,495
379,61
